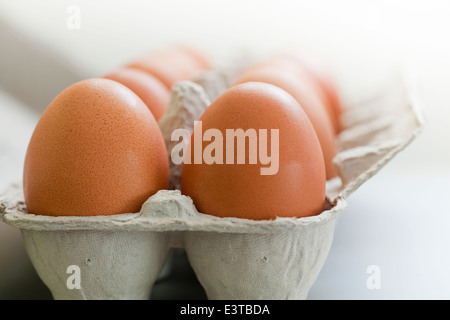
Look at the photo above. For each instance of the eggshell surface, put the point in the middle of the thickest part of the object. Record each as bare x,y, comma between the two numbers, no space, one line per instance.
305,94
203,60
320,74
297,189
171,65
96,150
152,91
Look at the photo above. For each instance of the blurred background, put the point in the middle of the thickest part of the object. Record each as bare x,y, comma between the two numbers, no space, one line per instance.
398,221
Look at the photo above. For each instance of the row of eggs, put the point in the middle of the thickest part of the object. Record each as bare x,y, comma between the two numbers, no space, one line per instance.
98,150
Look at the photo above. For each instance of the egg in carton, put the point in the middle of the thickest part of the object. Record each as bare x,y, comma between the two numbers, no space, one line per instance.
121,256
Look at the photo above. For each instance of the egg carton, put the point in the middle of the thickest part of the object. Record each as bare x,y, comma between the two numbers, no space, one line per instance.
121,256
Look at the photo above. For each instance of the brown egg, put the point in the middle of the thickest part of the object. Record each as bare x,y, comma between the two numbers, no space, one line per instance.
304,92
291,65
96,150
203,60
171,65
285,180
152,91
319,73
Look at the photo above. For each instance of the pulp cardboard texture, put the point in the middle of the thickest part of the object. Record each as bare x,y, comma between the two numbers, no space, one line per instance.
121,256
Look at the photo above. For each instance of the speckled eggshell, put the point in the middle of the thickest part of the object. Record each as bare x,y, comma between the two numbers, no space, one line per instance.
321,75
306,96
152,91
203,60
96,150
291,64
170,65
240,190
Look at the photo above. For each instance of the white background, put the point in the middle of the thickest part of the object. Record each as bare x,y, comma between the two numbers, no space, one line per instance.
398,221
